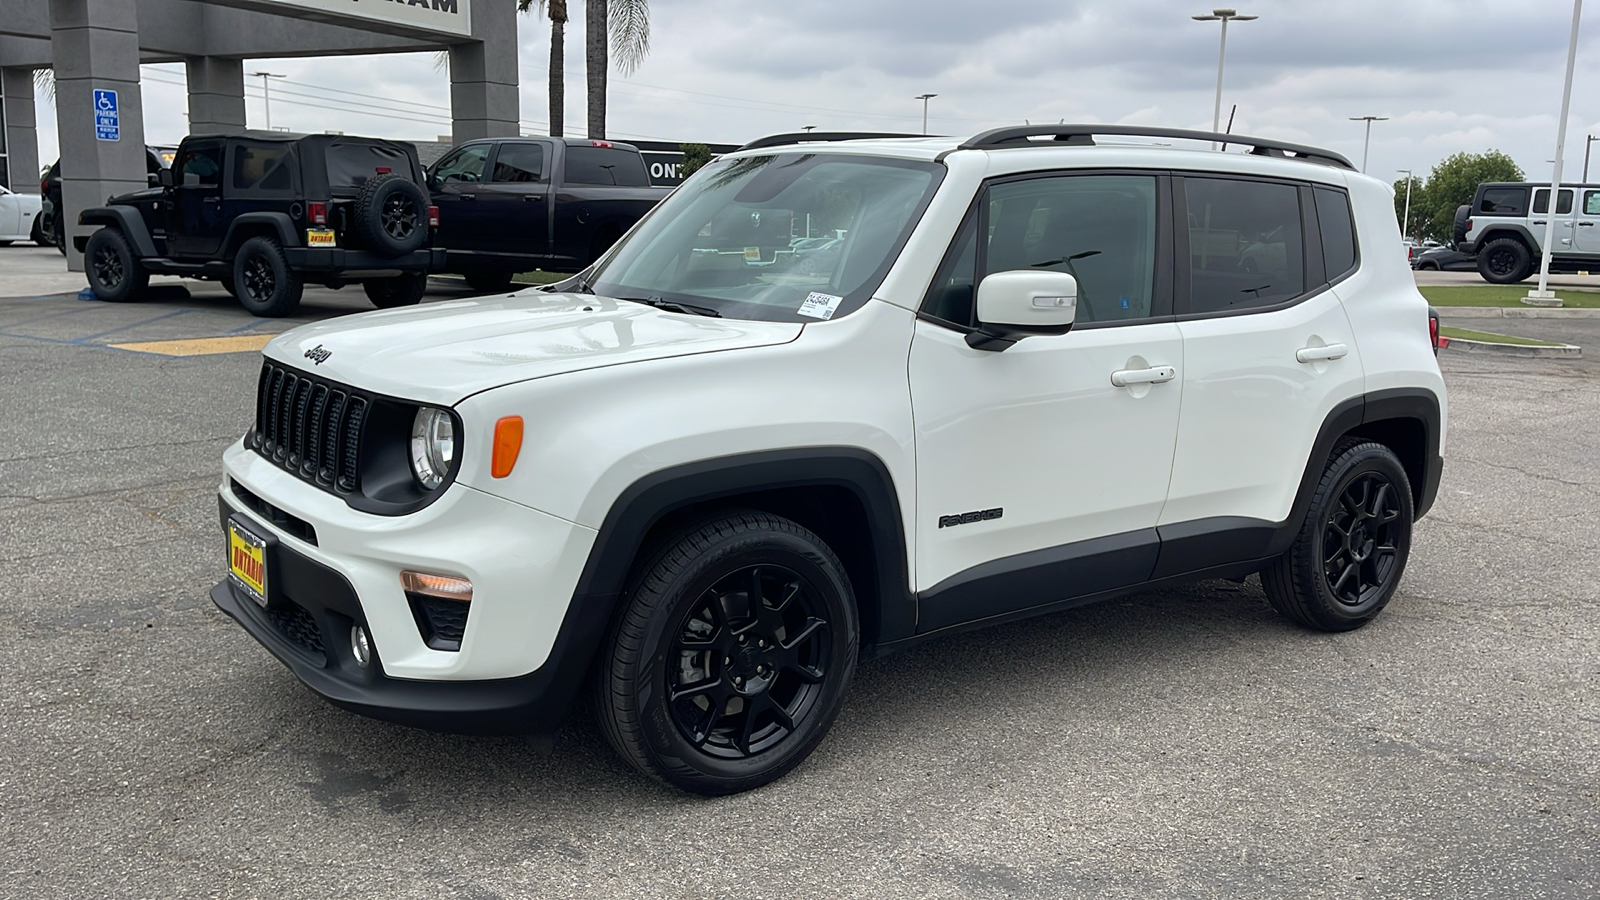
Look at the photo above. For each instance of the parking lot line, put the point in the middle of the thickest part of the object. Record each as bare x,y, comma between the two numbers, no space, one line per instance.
201,346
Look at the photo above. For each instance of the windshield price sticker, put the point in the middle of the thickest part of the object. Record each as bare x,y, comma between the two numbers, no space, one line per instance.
819,305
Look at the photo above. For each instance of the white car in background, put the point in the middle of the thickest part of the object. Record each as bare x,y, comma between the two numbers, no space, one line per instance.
18,213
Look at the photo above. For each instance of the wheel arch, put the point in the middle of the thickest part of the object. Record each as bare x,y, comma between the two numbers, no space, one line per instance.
258,224
123,218
1406,420
845,495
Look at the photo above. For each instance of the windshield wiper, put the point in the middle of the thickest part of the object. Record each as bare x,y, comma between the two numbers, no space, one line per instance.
582,287
675,306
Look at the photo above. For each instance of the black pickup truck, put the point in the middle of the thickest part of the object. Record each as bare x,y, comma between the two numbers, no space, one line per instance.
508,205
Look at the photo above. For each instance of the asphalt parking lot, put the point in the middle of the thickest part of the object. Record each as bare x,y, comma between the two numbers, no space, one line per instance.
1177,743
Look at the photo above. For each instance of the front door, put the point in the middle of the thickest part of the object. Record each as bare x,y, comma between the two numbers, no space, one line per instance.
1038,478
515,202
195,222
457,180
1562,237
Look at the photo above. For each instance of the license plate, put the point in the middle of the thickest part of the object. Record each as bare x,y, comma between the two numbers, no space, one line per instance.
316,238
247,562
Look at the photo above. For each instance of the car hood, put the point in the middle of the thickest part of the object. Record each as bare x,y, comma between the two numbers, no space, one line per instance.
442,353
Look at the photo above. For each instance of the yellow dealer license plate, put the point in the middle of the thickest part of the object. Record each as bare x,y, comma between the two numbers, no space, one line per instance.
247,562
316,238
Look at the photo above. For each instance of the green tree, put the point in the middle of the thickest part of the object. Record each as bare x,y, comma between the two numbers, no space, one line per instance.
695,156
1452,183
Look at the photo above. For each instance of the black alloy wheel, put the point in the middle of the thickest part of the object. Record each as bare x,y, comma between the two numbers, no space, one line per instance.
747,661
1504,261
1348,557
400,217
263,281
114,274
732,654
1358,540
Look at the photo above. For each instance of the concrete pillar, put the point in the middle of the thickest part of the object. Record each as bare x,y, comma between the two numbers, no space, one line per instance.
22,134
483,75
216,94
95,46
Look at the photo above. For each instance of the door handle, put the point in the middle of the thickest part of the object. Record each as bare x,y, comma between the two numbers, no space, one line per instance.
1152,375
532,198
1585,224
469,196
1316,354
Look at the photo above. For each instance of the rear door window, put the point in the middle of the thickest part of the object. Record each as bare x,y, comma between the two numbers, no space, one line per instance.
605,165
519,163
1246,244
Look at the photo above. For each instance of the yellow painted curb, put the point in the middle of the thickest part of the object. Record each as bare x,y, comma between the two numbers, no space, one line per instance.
201,346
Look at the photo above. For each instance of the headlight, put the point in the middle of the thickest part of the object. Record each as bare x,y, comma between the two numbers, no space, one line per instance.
433,446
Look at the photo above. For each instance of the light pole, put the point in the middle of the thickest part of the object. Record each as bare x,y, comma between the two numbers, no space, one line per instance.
1544,296
1224,16
1367,144
924,98
1405,219
266,99
1588,139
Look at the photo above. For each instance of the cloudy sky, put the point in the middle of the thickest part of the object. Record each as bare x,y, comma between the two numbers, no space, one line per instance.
1451,74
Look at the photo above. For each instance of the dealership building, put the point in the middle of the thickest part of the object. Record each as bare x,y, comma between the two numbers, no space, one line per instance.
95,48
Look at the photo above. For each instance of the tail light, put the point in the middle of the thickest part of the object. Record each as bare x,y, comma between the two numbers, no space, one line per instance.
382,170
317,212
1433,333
433,217
600,143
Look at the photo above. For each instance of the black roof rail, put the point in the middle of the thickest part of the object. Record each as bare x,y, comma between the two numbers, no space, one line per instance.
801,137
1022,135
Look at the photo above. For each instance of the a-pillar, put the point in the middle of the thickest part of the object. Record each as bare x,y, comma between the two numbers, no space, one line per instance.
95,46
483,76
216,95
22,134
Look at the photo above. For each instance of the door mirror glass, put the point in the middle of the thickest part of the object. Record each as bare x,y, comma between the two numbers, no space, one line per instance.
1015,304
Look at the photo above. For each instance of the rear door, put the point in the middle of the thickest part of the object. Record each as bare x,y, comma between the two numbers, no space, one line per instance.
196,224
514,204
1268,352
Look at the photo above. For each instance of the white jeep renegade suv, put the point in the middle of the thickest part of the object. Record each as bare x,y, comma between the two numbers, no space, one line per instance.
1022,372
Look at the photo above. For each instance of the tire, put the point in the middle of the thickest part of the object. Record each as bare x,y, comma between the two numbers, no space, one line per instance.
399,290
688,605
114,272
1322,581
36,234
263,281
1505,261
5,243
1458,230
1428,266
489,282
58,235
390,216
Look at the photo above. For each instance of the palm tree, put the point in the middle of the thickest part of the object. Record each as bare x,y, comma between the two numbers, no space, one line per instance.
557,11
627,24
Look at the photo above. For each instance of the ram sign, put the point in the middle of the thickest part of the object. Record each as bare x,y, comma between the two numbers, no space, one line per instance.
442,16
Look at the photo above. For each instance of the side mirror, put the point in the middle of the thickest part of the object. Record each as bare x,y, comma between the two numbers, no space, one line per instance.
1014,305
164,178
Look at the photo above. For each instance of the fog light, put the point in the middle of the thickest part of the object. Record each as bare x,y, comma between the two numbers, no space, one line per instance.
360,646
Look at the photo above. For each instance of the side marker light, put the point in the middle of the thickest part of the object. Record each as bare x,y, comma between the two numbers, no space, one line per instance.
507,444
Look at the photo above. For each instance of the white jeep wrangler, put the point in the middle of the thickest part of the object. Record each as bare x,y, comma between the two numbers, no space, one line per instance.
704,477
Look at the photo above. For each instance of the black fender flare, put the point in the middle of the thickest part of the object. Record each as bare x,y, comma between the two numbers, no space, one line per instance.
125,219
280,223
1518,231
649,500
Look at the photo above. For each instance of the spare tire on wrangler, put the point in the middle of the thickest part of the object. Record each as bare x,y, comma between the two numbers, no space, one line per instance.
390,216
1459,232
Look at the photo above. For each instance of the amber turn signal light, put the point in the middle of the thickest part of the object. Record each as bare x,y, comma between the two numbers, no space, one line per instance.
507,444
447,586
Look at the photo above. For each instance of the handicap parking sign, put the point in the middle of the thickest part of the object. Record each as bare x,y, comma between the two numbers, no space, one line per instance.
107,126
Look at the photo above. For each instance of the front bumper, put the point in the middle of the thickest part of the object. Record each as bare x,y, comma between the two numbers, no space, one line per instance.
329,259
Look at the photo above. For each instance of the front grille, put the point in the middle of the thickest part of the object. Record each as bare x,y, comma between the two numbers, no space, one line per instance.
442,622
295,623
310,427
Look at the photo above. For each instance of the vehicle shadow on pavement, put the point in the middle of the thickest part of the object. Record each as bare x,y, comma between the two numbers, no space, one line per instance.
1100,660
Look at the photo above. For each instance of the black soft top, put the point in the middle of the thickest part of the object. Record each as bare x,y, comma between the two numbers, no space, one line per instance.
334,165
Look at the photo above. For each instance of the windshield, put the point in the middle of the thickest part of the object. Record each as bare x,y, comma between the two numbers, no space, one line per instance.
791,237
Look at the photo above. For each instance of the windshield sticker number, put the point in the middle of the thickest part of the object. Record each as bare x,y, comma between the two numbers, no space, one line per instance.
819,305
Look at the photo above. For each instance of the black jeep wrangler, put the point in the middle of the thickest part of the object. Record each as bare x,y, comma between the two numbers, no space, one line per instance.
263,213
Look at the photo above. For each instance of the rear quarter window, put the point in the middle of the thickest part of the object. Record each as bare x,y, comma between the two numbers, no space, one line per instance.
605,165
1504,202
1338,232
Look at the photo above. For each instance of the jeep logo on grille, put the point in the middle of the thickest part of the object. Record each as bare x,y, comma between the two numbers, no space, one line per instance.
318,355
